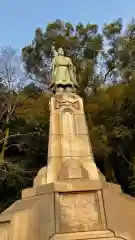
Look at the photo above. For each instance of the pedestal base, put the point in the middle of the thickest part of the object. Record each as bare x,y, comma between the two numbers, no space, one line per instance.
65,210
100,235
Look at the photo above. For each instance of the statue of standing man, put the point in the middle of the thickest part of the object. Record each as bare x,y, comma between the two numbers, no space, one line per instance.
63,73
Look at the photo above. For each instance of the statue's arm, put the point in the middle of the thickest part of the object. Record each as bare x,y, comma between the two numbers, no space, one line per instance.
73,69
53,70
53,66
72,65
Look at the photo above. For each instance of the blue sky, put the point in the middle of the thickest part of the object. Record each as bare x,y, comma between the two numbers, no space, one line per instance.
19,18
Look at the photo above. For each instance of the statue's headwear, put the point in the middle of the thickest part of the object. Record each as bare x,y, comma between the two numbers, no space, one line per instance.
60,50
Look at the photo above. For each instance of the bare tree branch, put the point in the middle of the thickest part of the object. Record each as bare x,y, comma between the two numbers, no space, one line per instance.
107,73
16,135
124,157
13,82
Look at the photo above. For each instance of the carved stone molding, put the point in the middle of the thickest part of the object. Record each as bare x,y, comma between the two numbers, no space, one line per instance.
59,104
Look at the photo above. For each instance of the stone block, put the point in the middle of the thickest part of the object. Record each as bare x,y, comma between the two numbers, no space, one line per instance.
72,209
100,235
41,177
77,212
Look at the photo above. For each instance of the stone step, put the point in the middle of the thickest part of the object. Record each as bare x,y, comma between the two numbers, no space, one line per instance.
105,234
112,187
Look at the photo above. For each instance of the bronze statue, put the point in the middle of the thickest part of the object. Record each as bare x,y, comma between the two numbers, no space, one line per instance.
63,72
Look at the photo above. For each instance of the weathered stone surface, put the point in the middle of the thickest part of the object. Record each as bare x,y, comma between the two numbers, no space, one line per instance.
76,185
31,221
5,232
119,210
60,206
100,235
41,177
69,141
79,212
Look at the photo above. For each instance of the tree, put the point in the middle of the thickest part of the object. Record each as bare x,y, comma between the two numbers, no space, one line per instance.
119,58
112,33
82,43
26,149
127,52
12,79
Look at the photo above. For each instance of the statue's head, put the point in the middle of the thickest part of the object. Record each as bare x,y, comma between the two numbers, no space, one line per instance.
60,52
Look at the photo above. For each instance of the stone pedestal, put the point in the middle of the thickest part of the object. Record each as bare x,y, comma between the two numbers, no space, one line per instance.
67,200
77,206
69,152
72,209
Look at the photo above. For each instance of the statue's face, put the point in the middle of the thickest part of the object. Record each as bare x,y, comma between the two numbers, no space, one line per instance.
60,51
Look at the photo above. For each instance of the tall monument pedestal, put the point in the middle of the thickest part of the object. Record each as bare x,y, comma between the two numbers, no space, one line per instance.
68,200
